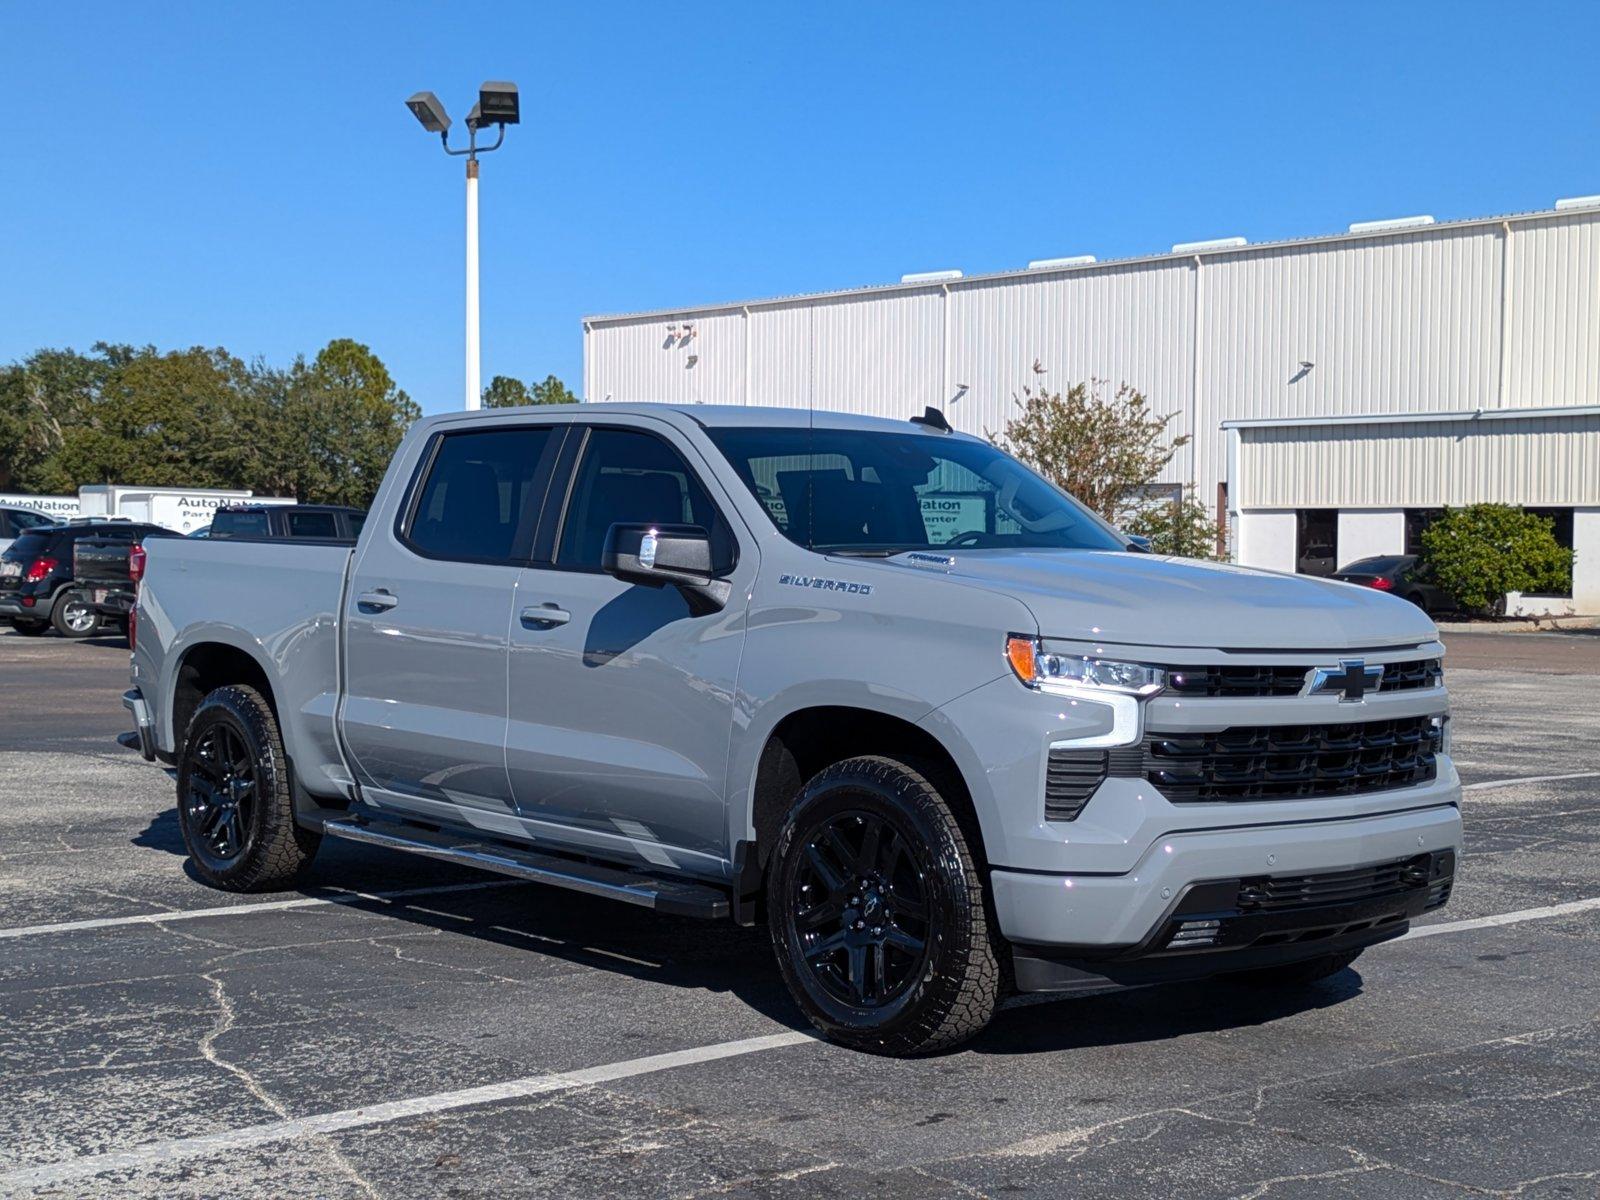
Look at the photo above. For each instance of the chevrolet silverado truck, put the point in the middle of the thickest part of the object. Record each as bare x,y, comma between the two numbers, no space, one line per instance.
874,684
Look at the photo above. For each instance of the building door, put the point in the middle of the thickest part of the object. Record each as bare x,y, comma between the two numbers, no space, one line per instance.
1316,535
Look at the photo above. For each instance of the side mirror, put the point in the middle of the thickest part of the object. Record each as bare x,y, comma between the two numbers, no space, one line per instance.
1138,542
662,555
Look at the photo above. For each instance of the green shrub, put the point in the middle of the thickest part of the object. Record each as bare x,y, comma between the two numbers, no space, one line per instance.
1481,552
1183,528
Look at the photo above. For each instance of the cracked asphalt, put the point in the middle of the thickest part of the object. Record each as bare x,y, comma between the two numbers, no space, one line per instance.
1465,1063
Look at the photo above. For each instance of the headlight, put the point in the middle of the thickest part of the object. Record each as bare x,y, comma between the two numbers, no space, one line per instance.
1040,669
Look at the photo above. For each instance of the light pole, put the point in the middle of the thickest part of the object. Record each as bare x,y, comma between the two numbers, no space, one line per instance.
497,105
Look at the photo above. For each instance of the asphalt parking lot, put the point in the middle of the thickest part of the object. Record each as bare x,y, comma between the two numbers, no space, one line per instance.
400,1028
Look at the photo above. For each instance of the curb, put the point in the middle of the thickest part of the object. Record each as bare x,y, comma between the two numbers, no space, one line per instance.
1520,625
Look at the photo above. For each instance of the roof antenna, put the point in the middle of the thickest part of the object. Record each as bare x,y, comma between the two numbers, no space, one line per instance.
933,419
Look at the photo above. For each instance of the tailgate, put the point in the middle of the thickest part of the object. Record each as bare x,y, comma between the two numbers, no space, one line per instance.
101,560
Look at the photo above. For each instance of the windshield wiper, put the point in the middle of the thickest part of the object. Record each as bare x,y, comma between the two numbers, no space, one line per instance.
864,551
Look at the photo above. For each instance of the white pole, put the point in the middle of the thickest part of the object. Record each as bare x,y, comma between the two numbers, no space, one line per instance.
474,390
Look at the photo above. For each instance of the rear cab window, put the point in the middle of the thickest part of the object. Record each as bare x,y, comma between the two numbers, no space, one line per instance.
240,524
312,525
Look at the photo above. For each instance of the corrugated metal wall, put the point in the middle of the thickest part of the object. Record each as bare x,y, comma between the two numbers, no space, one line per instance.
1546,460
1389,324
1553,333
1129,324
1454,317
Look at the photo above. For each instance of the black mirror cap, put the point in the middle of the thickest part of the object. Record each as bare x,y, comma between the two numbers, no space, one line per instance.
662,555
657,554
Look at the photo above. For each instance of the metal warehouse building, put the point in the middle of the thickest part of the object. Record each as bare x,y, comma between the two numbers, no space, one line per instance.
1339,390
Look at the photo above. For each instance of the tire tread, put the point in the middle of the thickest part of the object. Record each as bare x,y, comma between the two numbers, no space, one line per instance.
963,1002
282,849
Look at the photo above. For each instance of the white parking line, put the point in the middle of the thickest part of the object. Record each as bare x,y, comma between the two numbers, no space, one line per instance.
157,1154
1510,918
232,910
1500,783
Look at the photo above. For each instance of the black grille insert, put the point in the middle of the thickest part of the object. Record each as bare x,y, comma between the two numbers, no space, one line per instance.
1246,681
1070,779
1275,893
1288,762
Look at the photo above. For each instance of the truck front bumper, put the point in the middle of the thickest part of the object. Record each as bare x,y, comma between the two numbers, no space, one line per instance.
1207,901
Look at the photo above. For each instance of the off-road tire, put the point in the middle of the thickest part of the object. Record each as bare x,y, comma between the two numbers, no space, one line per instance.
950,995
58,616
275,851
1297,974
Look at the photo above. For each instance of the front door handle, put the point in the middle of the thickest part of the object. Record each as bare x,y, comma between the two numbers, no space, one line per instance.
546,616
376,601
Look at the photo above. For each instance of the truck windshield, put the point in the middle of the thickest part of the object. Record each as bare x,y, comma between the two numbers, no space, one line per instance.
868,492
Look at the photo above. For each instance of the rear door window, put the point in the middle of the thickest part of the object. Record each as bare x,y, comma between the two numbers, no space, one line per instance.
480,496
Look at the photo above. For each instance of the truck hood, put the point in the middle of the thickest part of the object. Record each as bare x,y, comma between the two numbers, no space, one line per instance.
1147,600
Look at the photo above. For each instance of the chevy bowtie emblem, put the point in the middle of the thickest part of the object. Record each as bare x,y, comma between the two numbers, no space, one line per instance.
1352,679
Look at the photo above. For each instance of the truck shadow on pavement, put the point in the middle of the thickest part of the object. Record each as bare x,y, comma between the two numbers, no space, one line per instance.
583,931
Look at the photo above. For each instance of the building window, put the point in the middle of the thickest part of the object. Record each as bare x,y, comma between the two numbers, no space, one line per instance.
1417,520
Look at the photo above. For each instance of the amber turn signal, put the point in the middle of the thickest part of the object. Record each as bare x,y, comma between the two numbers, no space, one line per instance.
1020,654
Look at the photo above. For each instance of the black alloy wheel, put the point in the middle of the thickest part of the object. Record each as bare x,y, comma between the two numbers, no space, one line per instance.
223,788
235,799
877,914
860,909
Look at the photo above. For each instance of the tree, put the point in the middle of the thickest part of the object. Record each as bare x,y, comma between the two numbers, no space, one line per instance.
1481,552
201,417
1181,526
552,391
339,420
1107,453
505,392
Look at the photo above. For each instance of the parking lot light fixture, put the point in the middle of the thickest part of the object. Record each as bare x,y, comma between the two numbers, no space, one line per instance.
429,112
497,105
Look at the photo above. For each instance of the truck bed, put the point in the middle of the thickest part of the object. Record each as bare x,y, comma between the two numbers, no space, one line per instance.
277,602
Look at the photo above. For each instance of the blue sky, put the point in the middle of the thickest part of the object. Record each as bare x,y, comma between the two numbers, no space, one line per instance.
247,176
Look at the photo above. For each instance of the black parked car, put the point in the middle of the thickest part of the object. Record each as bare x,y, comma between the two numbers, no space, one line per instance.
298,522
1400,575
37,586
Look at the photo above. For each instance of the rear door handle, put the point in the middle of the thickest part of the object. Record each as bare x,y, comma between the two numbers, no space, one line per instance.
546,616
376,601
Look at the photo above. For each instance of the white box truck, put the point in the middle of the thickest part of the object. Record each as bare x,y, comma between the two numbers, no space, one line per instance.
180,509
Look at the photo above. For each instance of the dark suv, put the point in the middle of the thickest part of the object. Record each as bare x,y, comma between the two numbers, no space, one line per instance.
37,588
